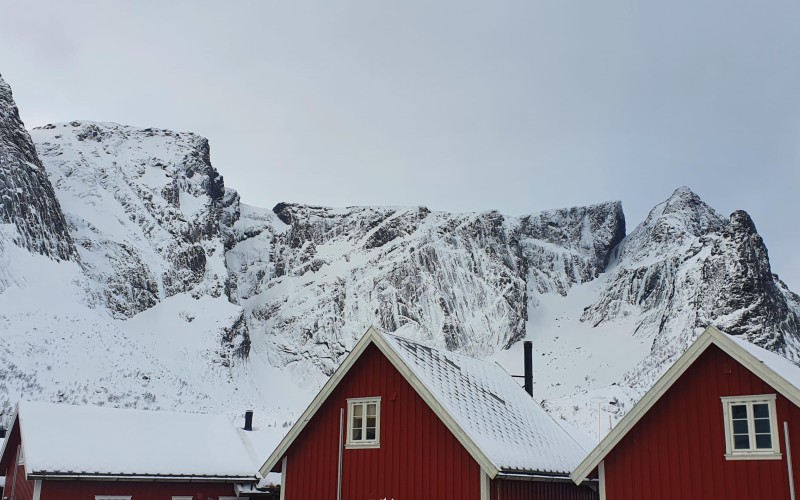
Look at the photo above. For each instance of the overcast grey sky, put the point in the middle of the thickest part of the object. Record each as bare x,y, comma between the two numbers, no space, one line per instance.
457,105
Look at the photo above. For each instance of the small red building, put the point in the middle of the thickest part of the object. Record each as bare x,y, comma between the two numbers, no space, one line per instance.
721,423
400,420
66,452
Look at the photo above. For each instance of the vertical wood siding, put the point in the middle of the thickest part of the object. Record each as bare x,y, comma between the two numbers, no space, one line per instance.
537,490
677,449
86,490
418,458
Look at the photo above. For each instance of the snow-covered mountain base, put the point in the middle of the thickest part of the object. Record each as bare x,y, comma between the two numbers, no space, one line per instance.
130,275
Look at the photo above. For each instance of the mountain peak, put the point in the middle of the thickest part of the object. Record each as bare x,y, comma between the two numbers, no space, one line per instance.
678,219
741,222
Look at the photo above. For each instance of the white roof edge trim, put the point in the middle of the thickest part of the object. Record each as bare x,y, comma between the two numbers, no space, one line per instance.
711,335
11,428
373,336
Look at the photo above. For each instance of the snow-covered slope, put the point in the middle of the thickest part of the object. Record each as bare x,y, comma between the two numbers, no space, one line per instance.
149,284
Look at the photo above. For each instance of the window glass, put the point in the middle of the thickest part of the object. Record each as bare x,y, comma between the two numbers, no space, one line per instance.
739,411
764,441
761,410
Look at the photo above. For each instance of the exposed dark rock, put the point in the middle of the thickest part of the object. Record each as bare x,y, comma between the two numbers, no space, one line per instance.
27,199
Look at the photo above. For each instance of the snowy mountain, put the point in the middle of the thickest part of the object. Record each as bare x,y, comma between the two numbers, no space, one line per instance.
130,275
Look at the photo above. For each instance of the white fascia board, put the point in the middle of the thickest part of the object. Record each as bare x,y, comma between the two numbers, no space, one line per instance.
8,432
370,335
711,335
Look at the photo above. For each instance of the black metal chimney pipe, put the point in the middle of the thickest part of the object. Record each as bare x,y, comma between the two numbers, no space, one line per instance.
528,347
248,420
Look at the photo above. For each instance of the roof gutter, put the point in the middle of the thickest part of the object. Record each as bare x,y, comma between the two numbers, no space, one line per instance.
142,477
545,478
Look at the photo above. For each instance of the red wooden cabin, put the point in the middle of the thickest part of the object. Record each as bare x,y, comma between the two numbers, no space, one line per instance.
66,452
721,423
400,420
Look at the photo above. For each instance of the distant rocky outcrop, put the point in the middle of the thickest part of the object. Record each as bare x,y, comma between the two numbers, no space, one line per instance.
27,199
148,212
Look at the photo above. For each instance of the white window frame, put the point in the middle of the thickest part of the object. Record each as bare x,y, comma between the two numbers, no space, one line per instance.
751,454
185,497
364,443
112,497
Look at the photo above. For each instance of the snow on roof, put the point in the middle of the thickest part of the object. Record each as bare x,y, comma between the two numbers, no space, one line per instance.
67,439
260,441
509,427
777,363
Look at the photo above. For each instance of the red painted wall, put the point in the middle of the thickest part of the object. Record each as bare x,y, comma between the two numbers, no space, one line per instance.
677,449
419,458
86,490
537,490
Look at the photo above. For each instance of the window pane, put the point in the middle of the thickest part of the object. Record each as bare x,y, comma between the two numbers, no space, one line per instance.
761,410
357,434
370,433
762,426
358,410
740,426
741,442
739,411
358,422
764,441
371,422
371,409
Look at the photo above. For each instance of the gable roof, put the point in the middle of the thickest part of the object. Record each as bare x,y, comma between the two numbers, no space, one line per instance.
774,369
498,423
61,440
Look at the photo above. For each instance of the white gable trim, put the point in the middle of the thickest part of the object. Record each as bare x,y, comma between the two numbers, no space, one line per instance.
372,336
8,432
710,336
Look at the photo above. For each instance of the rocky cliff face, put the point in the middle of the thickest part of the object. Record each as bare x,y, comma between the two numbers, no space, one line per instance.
27,199
314,278
149,215
147,210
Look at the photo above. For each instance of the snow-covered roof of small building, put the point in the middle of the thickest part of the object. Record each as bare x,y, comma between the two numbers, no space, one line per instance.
514,432
499,424
62,439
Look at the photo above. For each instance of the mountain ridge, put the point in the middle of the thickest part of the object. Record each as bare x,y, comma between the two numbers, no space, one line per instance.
214,296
